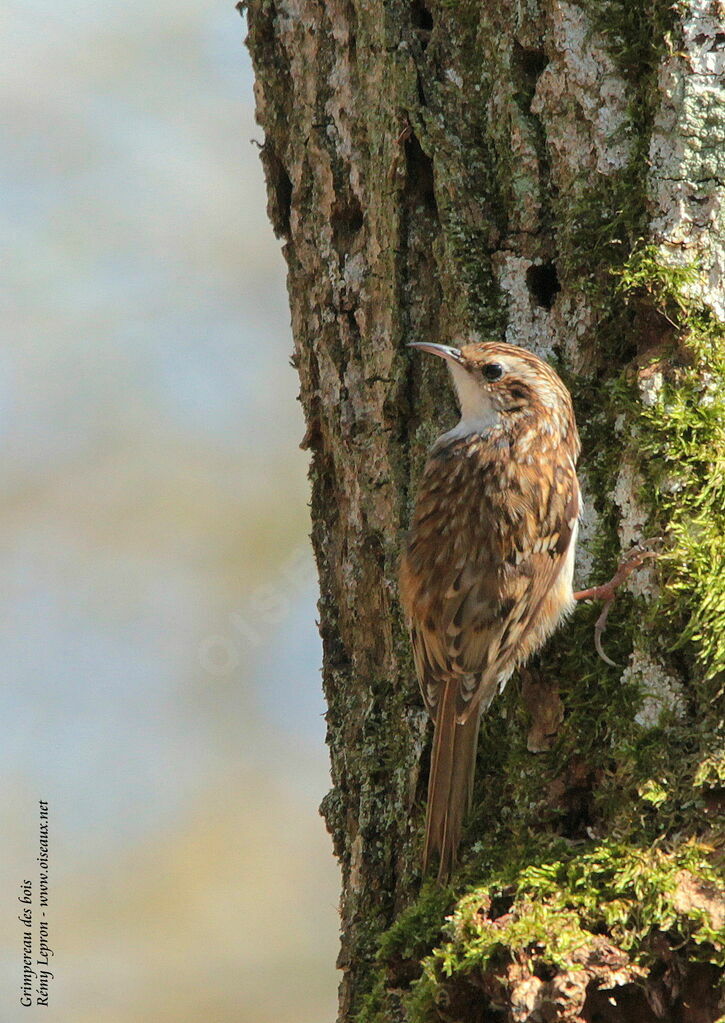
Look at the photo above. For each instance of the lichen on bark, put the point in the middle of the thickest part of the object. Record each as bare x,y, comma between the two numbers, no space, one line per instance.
547,172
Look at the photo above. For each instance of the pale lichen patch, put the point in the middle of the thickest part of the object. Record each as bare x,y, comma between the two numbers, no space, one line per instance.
582,98
650,388
687,153
634,515
528,325
660,691
589,528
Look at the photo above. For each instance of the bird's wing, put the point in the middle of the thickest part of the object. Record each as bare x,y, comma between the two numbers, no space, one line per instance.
473,624
525,578
558,528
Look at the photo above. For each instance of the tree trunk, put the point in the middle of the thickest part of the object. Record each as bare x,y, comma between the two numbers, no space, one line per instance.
552,174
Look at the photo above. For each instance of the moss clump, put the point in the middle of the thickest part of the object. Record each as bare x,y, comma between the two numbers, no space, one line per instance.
678,447
417,928
401,948
560,914
373,1005
710,773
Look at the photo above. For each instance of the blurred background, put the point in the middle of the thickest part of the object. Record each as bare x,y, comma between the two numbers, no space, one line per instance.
160,661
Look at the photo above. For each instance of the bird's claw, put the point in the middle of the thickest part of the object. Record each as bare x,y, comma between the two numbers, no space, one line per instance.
607,593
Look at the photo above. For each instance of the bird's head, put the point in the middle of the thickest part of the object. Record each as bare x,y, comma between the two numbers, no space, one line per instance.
500,385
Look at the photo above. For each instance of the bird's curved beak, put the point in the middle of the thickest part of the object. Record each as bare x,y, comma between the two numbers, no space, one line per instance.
445,351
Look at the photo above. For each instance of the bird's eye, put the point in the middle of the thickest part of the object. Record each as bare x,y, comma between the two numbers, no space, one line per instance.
493,371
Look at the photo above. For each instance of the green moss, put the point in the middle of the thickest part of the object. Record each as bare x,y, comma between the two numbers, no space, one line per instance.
678,447
557,912
400,949
418,927
552,915
665,285
710,773
374,1005
669,408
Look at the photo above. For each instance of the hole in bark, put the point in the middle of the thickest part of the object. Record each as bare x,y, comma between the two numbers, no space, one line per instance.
543,284
527,66
611,1005
280,193
718,41
353,337
420,174
500,905
570,796
421,18
422,98
351,19
346,220
544,971
577,822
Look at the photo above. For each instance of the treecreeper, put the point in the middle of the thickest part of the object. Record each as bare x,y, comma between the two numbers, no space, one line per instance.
486,576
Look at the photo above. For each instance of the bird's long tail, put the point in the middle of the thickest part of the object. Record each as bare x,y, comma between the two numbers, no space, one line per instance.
450,783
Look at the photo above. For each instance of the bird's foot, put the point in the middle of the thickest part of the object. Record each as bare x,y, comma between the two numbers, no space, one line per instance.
608,591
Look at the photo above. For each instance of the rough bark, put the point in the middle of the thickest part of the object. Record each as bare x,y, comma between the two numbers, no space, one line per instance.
550,173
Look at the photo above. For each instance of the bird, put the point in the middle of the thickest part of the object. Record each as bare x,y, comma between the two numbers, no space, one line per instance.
486,574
